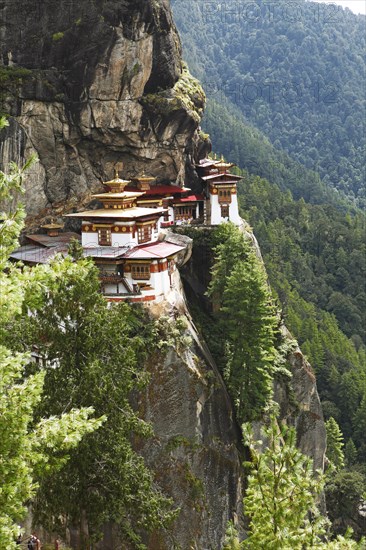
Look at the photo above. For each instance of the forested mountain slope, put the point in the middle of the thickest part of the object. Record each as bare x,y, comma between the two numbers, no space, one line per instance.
294,70
315,258
250,149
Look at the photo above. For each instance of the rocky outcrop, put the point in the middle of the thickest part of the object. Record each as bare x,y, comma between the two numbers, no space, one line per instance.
299,404
297,397
196,452
90,84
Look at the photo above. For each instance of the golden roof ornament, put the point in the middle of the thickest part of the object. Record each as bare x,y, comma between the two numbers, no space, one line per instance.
144,181
223,166
117,185
53,229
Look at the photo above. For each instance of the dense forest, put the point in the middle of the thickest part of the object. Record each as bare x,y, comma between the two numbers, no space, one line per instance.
312,241
247,146
293,69
285,104
315,258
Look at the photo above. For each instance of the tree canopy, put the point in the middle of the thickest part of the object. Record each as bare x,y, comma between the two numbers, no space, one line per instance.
293,70
29,449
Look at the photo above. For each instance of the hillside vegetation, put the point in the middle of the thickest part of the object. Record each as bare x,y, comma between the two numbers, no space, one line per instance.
293,69
315,258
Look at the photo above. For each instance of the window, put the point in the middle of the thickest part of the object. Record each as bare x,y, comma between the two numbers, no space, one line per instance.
224,210
140,271
224,195
144,233
104,236
183,212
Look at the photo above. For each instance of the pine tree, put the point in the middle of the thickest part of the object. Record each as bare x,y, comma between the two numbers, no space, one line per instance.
334,444
249,324
231,541
350,453
281,495
29,449
231,248
247,320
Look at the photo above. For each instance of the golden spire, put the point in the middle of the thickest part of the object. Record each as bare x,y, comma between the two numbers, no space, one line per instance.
117,185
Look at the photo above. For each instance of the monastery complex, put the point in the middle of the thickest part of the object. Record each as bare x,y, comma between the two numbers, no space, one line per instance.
124,235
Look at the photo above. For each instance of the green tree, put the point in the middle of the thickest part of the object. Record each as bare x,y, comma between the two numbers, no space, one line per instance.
29,450
231,541
247,319
229,247
249,323
92,353
344,493
350,453
359,421
334,444
282,492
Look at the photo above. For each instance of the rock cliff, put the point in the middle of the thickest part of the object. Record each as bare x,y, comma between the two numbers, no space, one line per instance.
90,84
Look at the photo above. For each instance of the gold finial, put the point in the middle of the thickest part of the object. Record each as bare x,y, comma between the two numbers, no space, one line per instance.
118,167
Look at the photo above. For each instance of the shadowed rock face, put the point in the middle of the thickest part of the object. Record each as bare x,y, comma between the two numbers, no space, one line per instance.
196,449
104,83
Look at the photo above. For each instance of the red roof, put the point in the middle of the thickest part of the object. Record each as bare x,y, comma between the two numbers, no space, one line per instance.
161,190
191,198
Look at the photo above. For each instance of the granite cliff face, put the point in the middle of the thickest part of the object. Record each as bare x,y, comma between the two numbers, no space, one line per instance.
90,84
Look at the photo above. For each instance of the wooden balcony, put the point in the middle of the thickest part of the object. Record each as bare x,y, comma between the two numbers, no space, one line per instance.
111,278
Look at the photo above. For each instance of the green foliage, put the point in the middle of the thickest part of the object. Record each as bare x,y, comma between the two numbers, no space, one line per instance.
187,94
29,449
291,70
312,254
247,321
282,493
350,453
172,333
29,452
345,490
92,353
11,218
334,444
359,425
189,91
11,79
231,541
57,36
251,150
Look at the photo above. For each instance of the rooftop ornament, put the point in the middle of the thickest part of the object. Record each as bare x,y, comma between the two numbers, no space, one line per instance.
116,185
53,229
223,166
144,181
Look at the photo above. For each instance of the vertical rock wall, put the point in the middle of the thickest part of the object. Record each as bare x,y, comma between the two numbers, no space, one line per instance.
90,84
